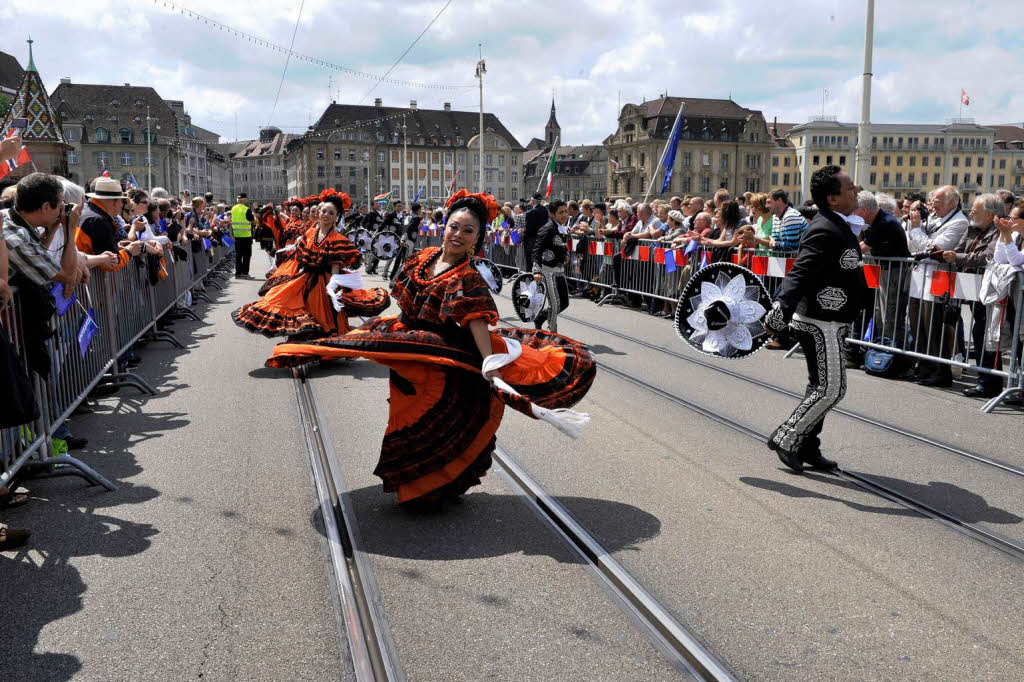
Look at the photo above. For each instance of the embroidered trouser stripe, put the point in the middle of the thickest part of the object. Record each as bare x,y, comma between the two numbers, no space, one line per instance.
823,346
552,295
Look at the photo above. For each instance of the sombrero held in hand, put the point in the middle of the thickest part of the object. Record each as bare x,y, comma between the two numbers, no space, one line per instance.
720,311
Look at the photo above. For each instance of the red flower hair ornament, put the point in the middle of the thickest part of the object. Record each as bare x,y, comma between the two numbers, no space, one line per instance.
330,192
489,202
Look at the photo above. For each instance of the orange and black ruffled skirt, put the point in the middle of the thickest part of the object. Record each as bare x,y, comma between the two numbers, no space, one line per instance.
286,271
300,308
443,415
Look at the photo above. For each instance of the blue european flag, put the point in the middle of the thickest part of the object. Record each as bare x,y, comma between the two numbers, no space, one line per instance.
87,331
670,260
668,159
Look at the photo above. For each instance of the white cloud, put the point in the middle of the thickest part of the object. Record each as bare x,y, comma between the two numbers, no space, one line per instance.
586,52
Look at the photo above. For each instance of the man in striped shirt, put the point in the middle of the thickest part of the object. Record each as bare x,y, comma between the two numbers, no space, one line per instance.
788,226
39,203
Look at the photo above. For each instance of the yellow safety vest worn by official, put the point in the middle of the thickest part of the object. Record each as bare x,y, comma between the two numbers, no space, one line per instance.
240,225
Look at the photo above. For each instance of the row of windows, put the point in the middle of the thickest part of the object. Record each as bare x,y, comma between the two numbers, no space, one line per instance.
786,177
103,159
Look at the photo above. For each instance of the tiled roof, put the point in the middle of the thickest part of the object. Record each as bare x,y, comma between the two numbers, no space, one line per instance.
695,106
419,122
10,71
1008,133
584,151
78,102
257,148
30,102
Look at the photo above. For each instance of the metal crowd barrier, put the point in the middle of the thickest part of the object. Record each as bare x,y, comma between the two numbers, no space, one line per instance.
925,311
126,307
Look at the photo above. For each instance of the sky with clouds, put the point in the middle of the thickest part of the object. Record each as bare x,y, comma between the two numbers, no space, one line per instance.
589,53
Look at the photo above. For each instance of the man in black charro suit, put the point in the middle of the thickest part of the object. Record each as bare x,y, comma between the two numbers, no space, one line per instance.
820,297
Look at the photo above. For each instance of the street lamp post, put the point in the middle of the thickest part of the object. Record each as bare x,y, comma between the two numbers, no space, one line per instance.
862,171
481,69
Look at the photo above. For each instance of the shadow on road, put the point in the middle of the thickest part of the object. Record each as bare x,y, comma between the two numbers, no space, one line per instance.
486,525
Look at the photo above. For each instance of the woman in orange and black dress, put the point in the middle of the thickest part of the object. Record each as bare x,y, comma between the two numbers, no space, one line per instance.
286,267
300,306
443,411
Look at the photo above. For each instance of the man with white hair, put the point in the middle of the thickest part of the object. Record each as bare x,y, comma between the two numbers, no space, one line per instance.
973,253
883,237
942,231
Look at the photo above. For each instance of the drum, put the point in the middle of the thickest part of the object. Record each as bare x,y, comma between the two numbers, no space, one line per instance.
362,238
385,245
720,311
527,297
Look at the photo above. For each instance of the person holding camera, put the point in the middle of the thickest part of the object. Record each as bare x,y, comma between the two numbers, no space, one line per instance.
97,231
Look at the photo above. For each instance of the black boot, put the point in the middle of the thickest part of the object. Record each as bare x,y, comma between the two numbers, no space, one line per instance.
538,323
816,460
790,459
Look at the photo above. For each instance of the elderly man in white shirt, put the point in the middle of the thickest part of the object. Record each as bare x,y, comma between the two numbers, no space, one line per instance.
942,232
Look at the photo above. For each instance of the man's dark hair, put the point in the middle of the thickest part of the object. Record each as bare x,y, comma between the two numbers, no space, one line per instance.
601,206
553,206
731,215
537,196
397,204
808,212
573,206
209,197
779,195
138,195
825,184
415,208
36,189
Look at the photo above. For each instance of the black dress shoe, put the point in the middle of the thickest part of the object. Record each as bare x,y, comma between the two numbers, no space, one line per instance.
76,443
979,392
1013,400
818,461
790,459
936,382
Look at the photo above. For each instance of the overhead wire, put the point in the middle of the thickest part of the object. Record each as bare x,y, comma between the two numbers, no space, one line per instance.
262,42
398,61
286,60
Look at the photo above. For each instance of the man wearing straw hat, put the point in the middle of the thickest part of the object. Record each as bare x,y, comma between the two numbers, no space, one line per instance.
97,231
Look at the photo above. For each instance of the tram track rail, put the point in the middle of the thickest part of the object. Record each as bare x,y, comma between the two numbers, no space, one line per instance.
864,482
863,418
373,652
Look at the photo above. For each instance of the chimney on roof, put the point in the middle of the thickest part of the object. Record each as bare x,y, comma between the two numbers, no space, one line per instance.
377,103
412,104
775,126
127,85
447,106
65,81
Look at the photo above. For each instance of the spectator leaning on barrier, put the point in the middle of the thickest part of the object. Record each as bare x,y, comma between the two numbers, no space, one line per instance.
972,254
942,231
39,203
1008,198
1002,314
883,237
97,232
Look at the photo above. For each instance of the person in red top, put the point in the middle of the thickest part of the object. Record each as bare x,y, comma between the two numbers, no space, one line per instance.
443,408
97,231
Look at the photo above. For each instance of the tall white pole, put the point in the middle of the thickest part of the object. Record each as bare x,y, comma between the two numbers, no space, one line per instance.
481,69
863,166
405,152
149,152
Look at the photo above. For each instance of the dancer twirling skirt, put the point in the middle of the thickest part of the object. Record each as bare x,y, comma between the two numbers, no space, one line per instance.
286,267
820,297
550,253
444,410
302,306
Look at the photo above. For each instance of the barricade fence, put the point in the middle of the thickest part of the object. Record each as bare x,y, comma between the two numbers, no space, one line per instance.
923,311
99,324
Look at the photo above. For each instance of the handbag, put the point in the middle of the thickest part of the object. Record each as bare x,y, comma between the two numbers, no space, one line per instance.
881,363
16,392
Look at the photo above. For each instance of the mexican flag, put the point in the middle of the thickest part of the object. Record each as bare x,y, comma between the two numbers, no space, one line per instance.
550,170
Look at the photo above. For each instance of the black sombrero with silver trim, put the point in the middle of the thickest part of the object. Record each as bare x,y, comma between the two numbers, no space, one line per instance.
720,311
527,297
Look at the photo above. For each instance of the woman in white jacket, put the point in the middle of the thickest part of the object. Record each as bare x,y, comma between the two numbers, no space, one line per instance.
1007,252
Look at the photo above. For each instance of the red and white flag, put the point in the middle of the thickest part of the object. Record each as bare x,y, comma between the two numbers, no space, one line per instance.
9,165
964,98
614,163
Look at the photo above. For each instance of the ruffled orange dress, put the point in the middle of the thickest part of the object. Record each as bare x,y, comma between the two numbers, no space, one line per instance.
299,306
443,415
285,266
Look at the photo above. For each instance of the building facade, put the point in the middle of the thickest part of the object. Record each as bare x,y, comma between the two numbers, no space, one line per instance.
108,130
196,175
409,152
721,145
910,159
258,168
580,172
